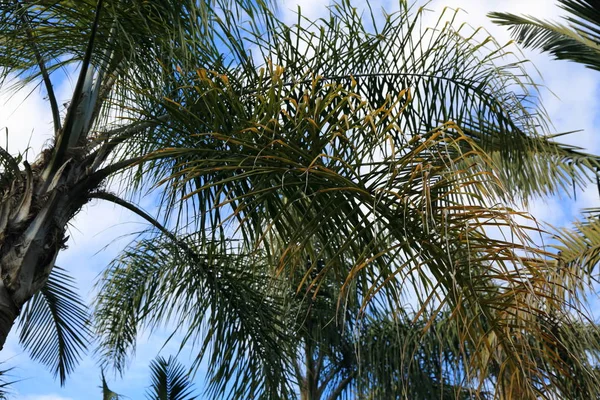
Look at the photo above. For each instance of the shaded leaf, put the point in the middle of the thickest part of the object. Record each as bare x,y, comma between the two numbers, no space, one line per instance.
54,325
169,381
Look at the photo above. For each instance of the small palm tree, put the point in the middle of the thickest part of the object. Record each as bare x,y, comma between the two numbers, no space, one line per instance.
169,382
358,354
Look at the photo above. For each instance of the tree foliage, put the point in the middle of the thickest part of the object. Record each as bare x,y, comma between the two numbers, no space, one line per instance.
386,154
54,325
577,40
335,163
169,381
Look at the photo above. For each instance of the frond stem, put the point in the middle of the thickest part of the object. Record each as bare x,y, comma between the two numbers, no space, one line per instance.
136,210
342,386
64,139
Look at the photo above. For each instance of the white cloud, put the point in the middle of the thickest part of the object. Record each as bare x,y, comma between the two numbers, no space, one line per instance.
45,397
27,121
27,116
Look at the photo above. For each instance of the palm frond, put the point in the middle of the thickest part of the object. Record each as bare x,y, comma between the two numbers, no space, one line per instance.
217,297
578,40
169,381
397,66
579,246
54,325
107,393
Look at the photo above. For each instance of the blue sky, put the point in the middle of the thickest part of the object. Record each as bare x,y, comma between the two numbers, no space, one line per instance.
99,231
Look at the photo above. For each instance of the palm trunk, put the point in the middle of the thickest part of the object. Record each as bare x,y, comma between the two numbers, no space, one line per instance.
36,204
8,313
309,389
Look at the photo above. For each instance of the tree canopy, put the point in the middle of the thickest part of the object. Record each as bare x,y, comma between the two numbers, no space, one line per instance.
315,181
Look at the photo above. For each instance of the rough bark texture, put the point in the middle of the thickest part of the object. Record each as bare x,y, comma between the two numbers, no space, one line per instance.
35,206
8,314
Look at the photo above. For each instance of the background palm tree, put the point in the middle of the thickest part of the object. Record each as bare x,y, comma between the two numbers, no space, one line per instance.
386,151
169,382
358,353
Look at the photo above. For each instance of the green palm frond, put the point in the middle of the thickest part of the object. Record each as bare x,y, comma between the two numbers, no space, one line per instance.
54,325
169,381
386,153
578,40
579,247
216,296
5,384
428,77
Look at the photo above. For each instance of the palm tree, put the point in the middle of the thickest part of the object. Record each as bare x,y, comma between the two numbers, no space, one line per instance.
169,382
125,57
385,150
577,40
355,354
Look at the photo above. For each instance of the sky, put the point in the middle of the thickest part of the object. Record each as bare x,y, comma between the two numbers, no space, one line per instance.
100,230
